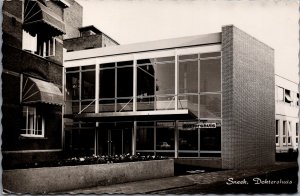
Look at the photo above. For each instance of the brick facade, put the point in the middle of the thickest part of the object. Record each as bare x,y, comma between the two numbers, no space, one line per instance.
248,136
86,42
73,19
16,149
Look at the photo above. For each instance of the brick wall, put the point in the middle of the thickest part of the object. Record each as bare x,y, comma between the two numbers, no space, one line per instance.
106,41
73,19
81,43
12,23
13,7
248,138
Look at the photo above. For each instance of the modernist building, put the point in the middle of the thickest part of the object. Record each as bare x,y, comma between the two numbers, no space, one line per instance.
32,49
207,99
287,120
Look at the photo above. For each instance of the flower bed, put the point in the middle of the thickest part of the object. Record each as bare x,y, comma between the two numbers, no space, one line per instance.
89,160
65,178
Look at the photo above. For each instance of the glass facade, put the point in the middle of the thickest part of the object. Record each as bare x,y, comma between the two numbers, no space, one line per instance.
184,82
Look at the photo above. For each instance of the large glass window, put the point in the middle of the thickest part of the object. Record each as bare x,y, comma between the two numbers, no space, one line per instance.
210,138
80,92
145,138
156,83
107,83
165,78
88,85
188,137
210,75
33,122
165,136
125,82
188,76
210,106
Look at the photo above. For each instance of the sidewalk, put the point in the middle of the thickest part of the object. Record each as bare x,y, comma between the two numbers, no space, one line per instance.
155,185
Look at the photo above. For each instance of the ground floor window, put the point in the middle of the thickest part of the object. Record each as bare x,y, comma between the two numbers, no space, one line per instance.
277,132
192,138
297,133
195,139
33,122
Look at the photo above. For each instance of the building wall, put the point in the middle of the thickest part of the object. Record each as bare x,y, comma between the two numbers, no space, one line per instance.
107,41
16,149
287,112
81,43
248,101
12,23
73,19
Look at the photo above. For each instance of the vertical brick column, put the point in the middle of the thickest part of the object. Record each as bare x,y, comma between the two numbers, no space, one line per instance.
248,131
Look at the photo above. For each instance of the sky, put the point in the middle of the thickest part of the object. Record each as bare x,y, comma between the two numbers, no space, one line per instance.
274,22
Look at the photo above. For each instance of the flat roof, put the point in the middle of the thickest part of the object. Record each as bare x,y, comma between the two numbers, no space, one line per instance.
89,27
205,39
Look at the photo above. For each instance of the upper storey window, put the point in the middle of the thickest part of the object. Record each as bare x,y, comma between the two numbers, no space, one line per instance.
40,27
39,44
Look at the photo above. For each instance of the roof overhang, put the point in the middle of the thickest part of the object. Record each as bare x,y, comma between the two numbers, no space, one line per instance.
38,91
138,115
182,42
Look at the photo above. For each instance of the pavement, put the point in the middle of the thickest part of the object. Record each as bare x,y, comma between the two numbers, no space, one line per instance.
177,182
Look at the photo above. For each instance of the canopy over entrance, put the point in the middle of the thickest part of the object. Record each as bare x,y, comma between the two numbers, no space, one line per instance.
139,115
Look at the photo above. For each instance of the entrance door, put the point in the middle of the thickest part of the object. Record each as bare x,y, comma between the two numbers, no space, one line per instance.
114,141
115,144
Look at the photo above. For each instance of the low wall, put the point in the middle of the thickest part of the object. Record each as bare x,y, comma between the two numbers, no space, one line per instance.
201,162
59,179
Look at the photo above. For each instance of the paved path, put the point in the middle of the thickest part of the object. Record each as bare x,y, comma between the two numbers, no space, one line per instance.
156,185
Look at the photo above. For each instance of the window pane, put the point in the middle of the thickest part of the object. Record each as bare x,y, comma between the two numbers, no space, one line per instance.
145,80
39,122
189,56
210,106
72,82
145,138
165,78
125,82
189,102
210,75
188,77
24,120
125,63
163,59
87,107
88,67
210,138
280,94
164,138
277,126
124,105
165,102
211,54
107,83
107,65
72,69
88,85
284,128
145,61
145,103
107,105
188,137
